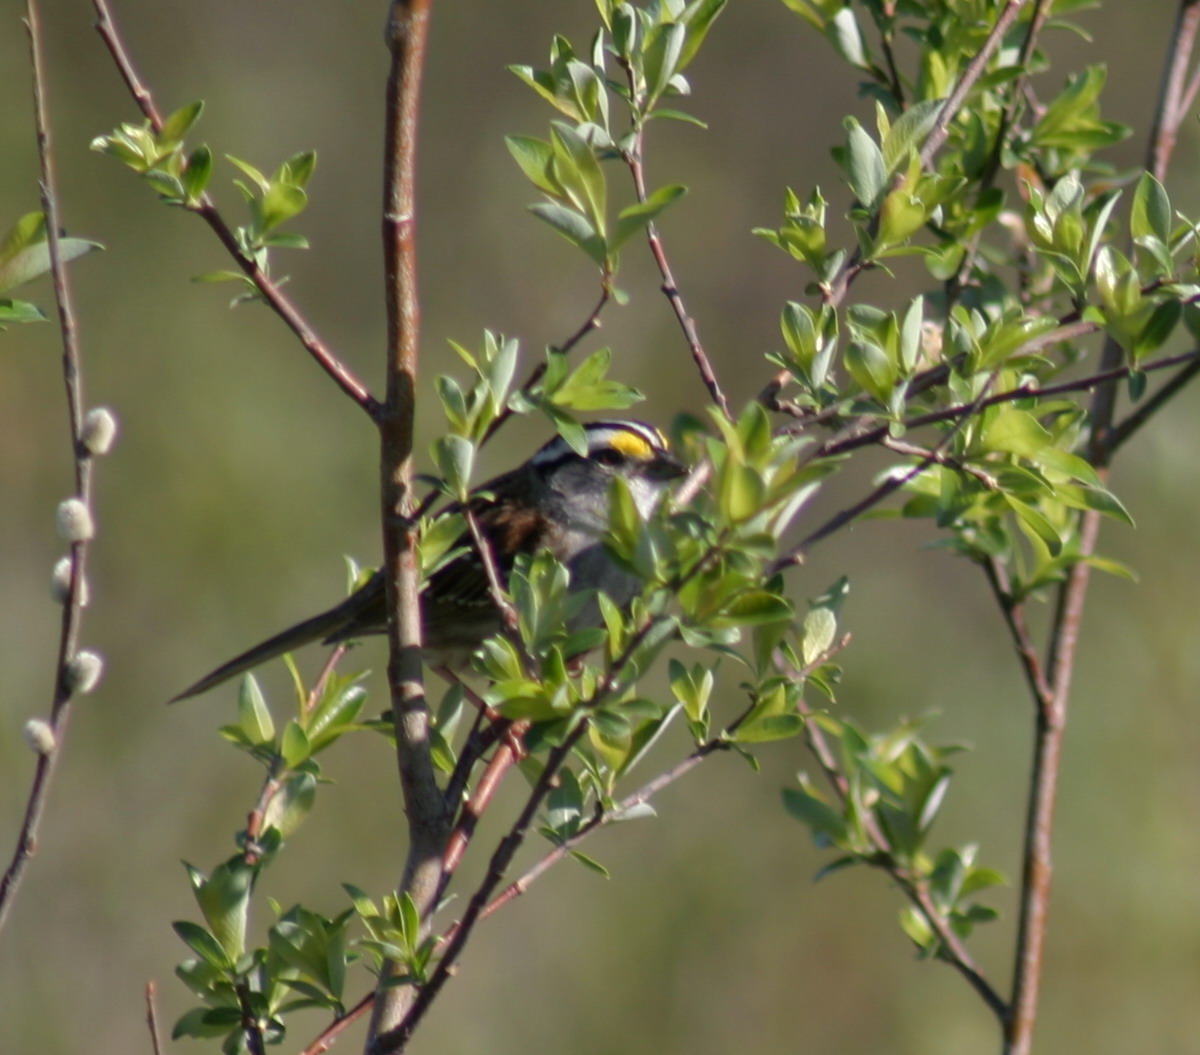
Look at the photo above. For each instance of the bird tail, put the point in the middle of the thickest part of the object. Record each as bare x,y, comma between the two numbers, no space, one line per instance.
337,624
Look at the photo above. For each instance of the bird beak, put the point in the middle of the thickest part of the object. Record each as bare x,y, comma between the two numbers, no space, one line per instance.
666,466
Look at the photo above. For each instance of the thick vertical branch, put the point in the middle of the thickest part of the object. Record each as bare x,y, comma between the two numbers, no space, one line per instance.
407,29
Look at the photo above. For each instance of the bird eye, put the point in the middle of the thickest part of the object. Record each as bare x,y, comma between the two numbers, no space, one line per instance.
609,456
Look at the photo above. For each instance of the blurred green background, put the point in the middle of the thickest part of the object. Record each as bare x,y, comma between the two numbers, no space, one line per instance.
241,477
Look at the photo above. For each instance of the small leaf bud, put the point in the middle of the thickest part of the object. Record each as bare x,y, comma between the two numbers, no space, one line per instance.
60,584
83,672
39,736
75,522
99,430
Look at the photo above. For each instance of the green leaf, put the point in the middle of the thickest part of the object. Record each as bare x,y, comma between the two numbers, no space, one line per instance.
866,171
769,728
253,715
202,943
635,218
280,203
590,862
908,132
698,18
19,311
455,456
224,898
263,183
291,803
1036,522
574,227
755,608
34,259
661,58
842,30
579,173
198,173
294,747
180,122
1018,432
535,156
828,826
28,230
820,629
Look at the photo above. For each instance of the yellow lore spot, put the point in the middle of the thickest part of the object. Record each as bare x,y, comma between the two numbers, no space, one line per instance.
632,445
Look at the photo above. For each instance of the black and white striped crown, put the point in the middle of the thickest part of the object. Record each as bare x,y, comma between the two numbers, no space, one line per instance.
634,439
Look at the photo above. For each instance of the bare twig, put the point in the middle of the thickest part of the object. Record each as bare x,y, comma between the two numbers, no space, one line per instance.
326,1038
152,1018
1127,429
975,68
72,367
939,457
506,754
497,589
1014,617
634,159
428,818
267,288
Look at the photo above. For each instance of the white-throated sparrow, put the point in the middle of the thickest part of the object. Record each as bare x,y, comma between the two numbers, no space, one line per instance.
558,500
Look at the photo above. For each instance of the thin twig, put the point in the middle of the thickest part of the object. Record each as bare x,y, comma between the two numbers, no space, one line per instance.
152,1018
1014,618
425,809
497,589
842,445
592,322
267,288
952,950
633,158
72,368
506,754
1127,429
326,1038
892,484
975,69
940,457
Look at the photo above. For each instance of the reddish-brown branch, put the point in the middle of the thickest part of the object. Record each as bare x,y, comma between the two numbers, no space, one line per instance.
269,290
72,615
506,754
634,159
428,819
396,1038
329,1035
